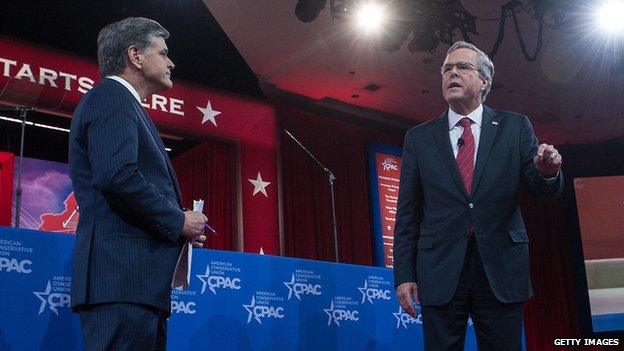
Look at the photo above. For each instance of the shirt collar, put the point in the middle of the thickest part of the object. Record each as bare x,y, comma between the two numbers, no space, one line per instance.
127,85
475,116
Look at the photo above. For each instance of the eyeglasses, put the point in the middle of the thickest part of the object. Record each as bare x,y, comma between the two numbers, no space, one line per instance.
462,67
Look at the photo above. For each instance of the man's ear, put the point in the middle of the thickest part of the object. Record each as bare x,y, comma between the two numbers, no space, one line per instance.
484,82
134,57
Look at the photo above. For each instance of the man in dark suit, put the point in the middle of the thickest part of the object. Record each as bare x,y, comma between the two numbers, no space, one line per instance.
132,226
460,244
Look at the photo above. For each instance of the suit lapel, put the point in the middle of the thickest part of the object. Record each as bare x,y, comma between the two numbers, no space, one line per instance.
443,142
489,128
161,147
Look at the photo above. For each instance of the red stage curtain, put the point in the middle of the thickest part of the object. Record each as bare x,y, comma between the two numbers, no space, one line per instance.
306,196
552,312
207,171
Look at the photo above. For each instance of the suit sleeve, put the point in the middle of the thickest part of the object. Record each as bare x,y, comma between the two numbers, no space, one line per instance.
113,153
537,184
408,216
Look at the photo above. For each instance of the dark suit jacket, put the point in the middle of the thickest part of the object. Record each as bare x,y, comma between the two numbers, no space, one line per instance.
127,240
434,211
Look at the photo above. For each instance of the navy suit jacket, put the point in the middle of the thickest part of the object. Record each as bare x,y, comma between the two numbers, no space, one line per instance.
435,213
128,234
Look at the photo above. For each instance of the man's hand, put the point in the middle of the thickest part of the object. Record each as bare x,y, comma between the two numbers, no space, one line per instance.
194,227
406,294
199,241
547,161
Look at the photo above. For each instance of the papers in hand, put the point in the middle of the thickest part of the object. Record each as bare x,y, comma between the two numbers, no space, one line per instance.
198,206
182,272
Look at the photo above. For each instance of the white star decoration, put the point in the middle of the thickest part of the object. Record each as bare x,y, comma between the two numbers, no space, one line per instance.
363,290
398,317
204,278
289,285
330,314
209,113
250,309
259,185
40,295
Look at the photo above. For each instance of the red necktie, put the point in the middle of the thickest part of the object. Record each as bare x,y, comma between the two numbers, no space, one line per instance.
465,155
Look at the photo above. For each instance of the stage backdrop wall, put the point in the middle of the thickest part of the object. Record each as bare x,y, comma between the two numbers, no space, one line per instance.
235,302
55,82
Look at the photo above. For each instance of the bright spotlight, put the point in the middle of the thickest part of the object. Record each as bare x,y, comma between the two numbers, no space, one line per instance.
609,16
370,17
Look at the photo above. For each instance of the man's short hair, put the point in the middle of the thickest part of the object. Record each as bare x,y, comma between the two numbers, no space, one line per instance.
115,39
484,64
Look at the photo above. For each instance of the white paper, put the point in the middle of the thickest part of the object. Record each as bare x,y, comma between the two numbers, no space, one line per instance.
182,272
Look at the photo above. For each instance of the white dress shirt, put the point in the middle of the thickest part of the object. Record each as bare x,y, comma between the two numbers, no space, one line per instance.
455,130
127,85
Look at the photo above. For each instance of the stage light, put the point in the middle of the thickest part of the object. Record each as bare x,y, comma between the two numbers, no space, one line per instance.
308,10
433,21
342,12
609,16
370,17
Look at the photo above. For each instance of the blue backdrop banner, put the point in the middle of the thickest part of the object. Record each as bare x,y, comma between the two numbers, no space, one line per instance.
235,301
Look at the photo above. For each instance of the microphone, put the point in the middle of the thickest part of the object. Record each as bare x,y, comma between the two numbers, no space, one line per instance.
460,142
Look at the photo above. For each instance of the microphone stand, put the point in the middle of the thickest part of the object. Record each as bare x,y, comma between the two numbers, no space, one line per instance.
23,111
331,178
25,95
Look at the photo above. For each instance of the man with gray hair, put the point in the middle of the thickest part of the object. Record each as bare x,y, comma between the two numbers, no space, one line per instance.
460,244
132,225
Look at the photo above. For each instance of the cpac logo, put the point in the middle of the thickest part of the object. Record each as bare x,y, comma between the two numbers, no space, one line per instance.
54,301
301,288
336,315
373,293
217,281
262,311
183,307
404,319
390,164
13,265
